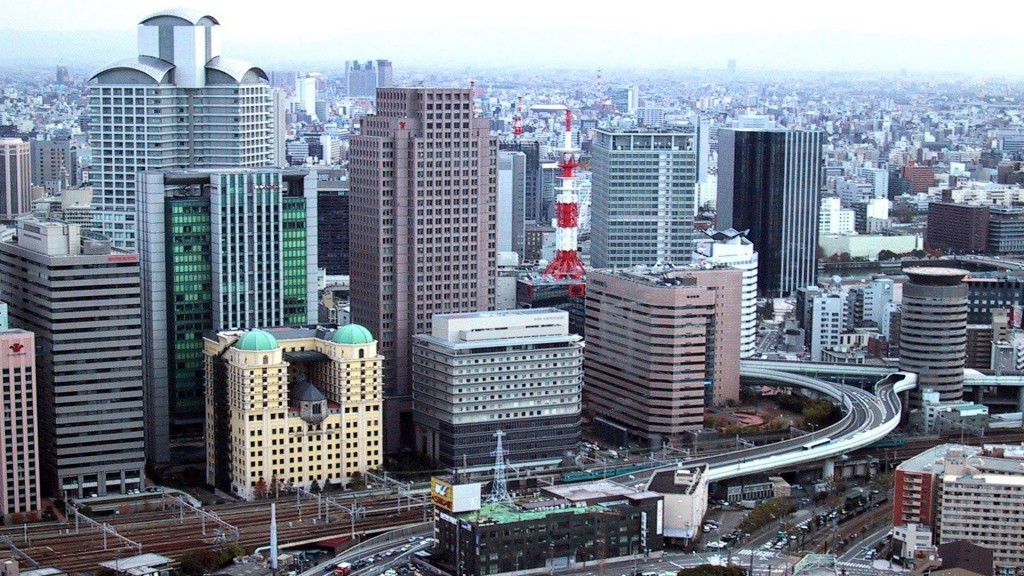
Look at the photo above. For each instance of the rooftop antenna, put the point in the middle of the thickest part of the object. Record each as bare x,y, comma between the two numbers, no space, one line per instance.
499,486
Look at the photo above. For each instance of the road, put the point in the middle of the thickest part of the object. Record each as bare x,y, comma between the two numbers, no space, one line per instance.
868,418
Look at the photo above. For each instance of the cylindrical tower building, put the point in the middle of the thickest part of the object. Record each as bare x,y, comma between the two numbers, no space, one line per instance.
933,335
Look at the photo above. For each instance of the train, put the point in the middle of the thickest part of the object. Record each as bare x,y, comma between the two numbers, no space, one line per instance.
888,443
815,443
587,476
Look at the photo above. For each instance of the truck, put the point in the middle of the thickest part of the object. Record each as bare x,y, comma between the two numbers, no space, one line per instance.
343,569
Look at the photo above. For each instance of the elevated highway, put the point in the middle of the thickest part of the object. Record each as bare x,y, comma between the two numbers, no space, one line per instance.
868,417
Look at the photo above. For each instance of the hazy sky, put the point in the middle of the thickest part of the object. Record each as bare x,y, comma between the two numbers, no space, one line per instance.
784,34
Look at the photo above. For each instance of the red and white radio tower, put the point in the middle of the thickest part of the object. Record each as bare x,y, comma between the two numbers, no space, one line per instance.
517,123
567,207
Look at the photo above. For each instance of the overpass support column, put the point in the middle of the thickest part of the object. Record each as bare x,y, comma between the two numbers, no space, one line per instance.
979,395
828,469
1020,399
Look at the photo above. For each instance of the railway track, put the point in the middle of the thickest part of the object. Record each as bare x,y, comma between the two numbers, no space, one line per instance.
171,533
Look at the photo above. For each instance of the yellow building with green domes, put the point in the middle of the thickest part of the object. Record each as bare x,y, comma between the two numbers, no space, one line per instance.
291,407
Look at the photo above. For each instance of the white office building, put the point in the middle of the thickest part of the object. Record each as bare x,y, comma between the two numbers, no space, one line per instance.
732,248
834,219
828,322
178,103
518,371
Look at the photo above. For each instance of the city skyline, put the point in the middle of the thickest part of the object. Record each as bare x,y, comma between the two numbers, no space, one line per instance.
789,38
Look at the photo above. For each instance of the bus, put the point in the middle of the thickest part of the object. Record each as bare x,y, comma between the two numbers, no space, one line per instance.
815,443
343,569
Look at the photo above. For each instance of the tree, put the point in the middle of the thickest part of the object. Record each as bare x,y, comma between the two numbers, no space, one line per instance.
315,487
882,482
357,482
259,491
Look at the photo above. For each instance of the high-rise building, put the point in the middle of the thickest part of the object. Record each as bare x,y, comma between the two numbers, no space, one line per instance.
4,318
15,178
733,249
422,233
385,74
332,216
221,250
19,460
661,345
990,293
362,78
279,128
314,394
626,99
769,183
87,322
869,303
828,321
933,331
532,150
178,104
834,219
547,179
511,226
63,77
55,163
643,196
533,393
957,227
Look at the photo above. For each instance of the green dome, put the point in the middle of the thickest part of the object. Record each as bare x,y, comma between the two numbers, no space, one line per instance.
256,340
352,334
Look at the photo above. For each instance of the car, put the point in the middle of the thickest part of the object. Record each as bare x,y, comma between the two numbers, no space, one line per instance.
411,540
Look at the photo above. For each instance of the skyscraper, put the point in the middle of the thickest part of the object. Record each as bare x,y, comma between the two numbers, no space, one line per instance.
769,183
385,74
362,79
221,250
15,178
643,196
87,323
19,460
332,215
511,202
423,185
178,104
532,151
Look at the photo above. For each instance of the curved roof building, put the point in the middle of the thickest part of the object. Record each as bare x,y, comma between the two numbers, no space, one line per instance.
178,103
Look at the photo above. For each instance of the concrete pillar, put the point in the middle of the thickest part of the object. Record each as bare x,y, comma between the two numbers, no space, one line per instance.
828,468
1020,399
980,395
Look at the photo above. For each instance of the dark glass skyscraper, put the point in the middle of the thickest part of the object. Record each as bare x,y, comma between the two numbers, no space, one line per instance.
769,182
